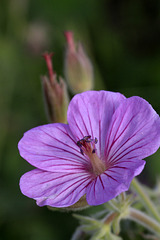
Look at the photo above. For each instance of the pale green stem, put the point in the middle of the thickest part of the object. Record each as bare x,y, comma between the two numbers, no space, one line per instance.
146,200
144,220
114,205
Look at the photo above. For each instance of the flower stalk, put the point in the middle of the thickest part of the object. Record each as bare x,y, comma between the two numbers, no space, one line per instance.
111,217
146,200
144,220
135,215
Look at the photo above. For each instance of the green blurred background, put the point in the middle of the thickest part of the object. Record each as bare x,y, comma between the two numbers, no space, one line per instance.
121,38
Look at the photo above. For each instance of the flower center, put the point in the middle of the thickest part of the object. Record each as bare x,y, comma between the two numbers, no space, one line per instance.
87,147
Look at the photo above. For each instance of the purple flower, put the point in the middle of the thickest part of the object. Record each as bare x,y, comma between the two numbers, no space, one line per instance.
97,153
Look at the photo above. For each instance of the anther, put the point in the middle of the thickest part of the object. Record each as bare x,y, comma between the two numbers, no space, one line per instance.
87,145
94,150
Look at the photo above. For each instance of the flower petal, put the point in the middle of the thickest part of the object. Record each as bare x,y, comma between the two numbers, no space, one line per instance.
54,189
90,113
112,182
52,147
134,132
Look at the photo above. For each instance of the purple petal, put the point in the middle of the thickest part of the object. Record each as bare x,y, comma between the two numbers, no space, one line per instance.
112,182
90,113
134,132
54,189
52,147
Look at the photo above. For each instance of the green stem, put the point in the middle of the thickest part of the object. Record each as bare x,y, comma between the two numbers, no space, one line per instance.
146,200
144,220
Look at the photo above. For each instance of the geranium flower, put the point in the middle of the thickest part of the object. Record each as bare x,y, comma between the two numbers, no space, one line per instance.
97,153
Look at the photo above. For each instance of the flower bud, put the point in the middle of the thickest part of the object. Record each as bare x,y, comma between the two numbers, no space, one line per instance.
78,68
55,94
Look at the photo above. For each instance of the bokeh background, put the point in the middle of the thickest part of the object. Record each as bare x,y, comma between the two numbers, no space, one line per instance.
122,39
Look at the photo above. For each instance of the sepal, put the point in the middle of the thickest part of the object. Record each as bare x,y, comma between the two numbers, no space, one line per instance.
78,206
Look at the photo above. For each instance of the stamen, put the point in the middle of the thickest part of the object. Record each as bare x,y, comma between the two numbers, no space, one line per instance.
83,144
87,147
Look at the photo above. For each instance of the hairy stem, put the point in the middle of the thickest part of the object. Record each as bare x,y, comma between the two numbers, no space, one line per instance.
144,220
146,200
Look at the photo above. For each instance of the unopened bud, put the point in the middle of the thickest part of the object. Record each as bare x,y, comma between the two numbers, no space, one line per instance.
78,67
55,93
